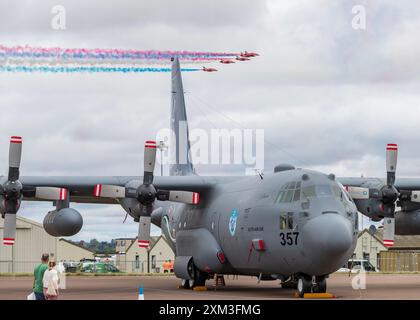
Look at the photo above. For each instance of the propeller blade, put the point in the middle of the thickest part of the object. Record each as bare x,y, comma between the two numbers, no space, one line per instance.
109,191
391,162
179,196
358,193
15,154
51,193
389,231
143,239
9,229
149,161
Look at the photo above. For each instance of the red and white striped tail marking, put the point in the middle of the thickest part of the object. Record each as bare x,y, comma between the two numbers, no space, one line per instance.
391,146
97,190
388,243
8,241
195,198
15,139
143,243
63,194
150,144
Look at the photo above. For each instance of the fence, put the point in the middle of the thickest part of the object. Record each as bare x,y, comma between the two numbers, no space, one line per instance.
137,266
399,261
140,266
388,261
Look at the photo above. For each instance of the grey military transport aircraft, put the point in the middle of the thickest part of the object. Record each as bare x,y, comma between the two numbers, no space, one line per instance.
293,225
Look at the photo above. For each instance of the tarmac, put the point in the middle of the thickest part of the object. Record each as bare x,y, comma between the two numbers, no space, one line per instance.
378,286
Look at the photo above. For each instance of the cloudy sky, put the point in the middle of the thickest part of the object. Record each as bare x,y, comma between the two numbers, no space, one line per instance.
328,96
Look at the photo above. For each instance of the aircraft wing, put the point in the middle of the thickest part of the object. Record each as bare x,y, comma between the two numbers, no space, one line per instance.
81,189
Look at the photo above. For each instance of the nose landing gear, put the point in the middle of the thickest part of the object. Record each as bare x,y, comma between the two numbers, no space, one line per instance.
304,285
307,284
320,285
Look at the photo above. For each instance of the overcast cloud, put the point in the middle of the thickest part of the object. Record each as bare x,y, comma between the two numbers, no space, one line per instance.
329,97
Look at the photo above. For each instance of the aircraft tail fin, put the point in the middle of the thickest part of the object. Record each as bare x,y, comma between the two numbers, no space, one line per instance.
181,164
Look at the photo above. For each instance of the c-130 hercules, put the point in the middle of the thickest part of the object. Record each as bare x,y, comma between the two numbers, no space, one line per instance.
295,225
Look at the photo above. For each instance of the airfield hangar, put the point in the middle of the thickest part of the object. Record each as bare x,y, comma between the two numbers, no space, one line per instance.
31,242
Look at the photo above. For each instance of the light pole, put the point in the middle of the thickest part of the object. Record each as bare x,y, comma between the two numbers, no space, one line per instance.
162,147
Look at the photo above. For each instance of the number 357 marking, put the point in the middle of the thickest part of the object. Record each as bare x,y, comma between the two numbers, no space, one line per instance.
289,238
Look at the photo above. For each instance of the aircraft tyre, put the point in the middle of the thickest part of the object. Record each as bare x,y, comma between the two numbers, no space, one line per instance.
304,285
199,279
185,284
321,286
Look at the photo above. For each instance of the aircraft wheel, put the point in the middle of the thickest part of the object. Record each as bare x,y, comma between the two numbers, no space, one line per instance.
321,285
185,284
304,285
199,279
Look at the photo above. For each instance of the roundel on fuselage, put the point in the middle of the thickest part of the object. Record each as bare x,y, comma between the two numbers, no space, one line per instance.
232,221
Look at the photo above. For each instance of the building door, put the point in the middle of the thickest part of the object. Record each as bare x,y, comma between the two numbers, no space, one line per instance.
153,262
137,262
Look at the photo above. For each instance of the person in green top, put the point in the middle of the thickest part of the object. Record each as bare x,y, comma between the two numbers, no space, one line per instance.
39,274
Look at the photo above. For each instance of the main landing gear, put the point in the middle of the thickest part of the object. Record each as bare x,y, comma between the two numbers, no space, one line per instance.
198,278
307,284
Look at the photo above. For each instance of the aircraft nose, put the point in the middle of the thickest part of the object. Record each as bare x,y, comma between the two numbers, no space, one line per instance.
329,235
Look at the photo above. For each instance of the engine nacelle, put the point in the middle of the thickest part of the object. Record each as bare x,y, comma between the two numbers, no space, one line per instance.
370,208
63,223
407,223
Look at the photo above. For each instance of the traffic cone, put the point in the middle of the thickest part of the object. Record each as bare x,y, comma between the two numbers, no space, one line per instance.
141,295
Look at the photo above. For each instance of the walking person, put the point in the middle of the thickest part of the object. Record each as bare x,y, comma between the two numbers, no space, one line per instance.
51,282
39,275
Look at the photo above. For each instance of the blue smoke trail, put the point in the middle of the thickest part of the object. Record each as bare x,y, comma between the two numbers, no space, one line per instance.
45,69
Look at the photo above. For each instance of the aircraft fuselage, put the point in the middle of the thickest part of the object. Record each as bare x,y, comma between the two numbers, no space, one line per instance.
290,222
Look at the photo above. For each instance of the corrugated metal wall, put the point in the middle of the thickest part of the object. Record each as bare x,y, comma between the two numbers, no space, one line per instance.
70,252
31,242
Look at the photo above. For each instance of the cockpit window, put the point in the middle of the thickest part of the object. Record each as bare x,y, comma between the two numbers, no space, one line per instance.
289,192
324,191
308,192
289,196
337,191
296,196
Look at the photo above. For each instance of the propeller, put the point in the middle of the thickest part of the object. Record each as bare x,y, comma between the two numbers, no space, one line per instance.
387,195
146,194
390,194
143,239
389,232
12,191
